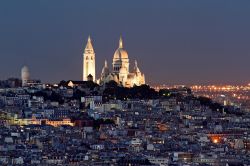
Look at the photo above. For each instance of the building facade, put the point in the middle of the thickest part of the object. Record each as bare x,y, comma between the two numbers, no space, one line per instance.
120,71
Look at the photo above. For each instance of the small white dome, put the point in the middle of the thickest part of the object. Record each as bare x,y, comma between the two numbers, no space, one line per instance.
25,69
25,73
105,69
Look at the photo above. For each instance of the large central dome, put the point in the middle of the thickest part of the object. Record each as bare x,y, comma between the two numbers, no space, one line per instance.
120,53
120,58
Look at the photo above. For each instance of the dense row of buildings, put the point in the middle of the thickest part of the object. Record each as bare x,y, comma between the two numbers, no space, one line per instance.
61,125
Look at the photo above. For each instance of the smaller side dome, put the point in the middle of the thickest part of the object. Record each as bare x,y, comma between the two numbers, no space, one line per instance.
25,69
105,69
25,73
136,68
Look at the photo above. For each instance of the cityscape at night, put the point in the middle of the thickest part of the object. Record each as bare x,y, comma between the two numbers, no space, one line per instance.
135,83
235,95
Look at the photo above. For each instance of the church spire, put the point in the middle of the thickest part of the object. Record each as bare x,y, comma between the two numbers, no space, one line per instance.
136,63
120,42
105,63
136,68
89,46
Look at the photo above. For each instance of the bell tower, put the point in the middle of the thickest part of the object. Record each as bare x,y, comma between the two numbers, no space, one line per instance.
88,61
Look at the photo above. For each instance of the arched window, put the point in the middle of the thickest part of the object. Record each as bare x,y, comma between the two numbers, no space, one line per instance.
87,58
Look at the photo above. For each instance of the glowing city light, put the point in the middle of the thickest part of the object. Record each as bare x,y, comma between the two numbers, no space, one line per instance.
215,140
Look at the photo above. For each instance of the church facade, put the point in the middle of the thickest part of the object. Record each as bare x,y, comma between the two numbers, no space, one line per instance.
120,71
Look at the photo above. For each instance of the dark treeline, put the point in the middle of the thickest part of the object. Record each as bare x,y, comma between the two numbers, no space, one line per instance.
113,91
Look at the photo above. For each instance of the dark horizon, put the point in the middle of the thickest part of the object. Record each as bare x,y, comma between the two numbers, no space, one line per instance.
174,42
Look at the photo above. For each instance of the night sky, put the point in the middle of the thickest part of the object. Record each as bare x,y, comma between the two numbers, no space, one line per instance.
174,42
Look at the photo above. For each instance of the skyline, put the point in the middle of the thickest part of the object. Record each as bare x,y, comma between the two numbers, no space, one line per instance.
188,43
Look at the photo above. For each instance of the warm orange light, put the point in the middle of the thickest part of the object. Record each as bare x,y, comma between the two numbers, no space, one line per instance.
215,140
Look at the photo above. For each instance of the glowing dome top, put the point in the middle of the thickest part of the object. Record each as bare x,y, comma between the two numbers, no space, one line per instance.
120,53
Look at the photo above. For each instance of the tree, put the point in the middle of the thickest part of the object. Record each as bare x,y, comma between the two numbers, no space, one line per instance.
78,94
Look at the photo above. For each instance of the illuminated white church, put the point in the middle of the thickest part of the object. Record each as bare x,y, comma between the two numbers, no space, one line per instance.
120,72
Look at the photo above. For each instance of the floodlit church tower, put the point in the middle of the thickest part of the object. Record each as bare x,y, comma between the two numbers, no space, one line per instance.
88,61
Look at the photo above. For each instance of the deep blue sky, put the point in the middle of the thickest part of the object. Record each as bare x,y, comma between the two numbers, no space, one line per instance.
182,42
